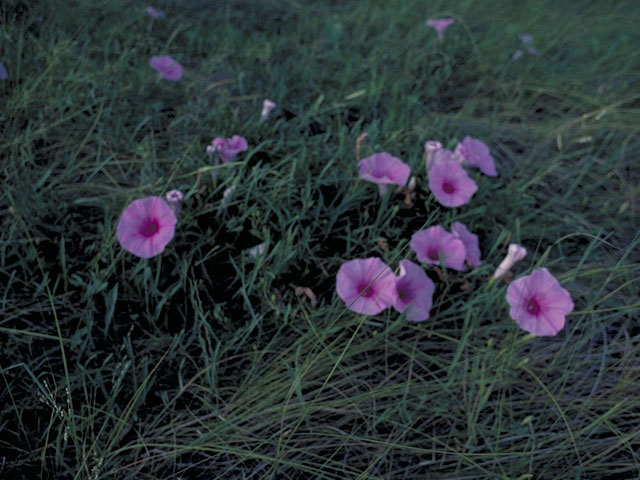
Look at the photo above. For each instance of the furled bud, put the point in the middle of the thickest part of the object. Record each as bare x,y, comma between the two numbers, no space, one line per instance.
514,255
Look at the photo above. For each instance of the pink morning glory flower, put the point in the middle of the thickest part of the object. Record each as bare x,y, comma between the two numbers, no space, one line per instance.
476,154
228,148
440,25
515,253
153,13
168,68
470,241
383,169
450,184
367,285
146,227
538,303
434,242
267,108
3,72
414,290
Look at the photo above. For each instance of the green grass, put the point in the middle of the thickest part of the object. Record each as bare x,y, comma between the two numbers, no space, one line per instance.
202,362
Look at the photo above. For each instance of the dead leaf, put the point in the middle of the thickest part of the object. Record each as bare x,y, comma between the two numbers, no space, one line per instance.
358,141
306,292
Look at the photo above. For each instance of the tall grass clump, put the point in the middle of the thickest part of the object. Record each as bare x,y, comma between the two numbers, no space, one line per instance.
211,361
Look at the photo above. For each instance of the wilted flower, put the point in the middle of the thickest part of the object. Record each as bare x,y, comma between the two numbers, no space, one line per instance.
408,192
359,140
450,184
146,227
414,290
174,199
538,303
267,108
515,253
383,169
527,42
153,13
366,285
476,154
306,292
470,241
526,38
432,243
228,148
440,25
3,72
226,197
167,67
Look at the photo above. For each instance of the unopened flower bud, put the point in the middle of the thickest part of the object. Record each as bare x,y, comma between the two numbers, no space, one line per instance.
412,184
431,148
174,199
514,255
267,108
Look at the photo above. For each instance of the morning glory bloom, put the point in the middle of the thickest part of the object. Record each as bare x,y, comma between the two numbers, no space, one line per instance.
167,67
475,153
538,303
384,169
450,184
366,286
146,227
470,241
228,148
414,290
434,242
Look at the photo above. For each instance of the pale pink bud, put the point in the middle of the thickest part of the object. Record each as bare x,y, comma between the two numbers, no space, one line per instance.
430,148
514,255
412,184
174,199
267,108
211,149
226,198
